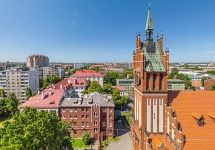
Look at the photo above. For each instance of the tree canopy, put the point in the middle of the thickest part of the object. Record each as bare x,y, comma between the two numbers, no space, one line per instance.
110,77
86,138
176,75
2,93
34,130
8,105
28,93
51,79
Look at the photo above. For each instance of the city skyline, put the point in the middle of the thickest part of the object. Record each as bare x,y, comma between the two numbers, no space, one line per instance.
96,31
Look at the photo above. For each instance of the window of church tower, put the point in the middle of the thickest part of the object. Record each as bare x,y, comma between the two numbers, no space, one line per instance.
160,82
147,81
154,81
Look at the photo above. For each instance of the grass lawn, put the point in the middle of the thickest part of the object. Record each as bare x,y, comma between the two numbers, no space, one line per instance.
78,143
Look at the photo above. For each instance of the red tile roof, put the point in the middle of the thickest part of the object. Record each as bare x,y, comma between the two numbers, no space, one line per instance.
50,101
75,83
187,104
87,73
121,88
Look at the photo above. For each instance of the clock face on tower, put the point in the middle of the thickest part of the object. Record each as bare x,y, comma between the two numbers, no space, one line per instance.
137,79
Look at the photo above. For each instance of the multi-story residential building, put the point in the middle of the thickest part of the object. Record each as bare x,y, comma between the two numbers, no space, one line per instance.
46,71
37,61
128,84
93,113
176,85
16,81
89,75
167,119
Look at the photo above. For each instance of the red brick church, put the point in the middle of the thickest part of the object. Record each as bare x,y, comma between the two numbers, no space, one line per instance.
165,119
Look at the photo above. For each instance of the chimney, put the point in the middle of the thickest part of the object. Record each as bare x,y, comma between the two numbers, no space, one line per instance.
69,81
61,86
42,96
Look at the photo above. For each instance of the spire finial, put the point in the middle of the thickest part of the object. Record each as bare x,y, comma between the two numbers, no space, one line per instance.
149,24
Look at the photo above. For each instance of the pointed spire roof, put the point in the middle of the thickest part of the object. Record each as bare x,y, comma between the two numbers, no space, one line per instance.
149,23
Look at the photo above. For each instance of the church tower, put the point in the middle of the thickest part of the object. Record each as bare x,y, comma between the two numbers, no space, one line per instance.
150,69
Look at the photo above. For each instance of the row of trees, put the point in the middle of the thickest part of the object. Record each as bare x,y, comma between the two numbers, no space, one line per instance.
111,76
94,86
35,130
176,75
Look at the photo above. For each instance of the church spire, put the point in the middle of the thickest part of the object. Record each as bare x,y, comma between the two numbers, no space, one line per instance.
149,25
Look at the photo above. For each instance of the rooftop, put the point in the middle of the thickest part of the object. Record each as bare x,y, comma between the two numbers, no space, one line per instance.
89,100
65,82
190,105
47,99
87,73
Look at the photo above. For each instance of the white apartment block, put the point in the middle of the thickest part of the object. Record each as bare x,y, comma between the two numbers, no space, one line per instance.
46,71
16,81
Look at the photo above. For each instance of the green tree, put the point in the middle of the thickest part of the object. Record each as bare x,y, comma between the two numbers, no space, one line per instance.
94,87
51,79
8,105
174,73
35,130
118,100
106,89
28,93
86,138
2,93
110,77
213,87
12,103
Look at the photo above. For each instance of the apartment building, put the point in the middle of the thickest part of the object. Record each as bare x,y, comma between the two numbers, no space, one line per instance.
93,113
37,61
176,85
16,81
128,84
46,71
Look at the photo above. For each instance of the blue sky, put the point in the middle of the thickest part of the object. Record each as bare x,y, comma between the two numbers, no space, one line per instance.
104,30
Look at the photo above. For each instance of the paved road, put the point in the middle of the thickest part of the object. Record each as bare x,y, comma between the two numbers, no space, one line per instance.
124,143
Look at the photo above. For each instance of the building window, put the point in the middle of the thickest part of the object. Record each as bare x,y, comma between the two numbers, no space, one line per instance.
87,116
70,117
71,110
95,123
148,101
82,116
154,81
160,82
75,116
155,101
83,109
110,124
95,129
111,110
87,124
75,124
103,109
87,109
95,114
82,124
154,115
75,109
63,110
